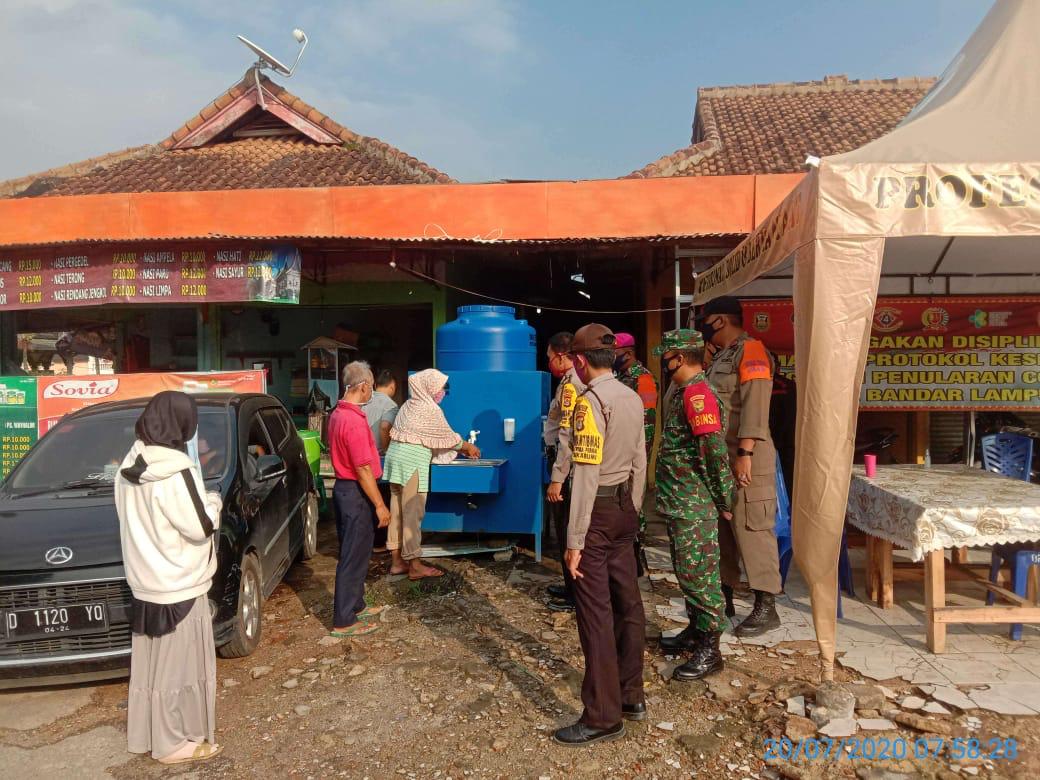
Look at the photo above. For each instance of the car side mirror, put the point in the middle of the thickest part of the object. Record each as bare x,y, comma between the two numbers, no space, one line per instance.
269,467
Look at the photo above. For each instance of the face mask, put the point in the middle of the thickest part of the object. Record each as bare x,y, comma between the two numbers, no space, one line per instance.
619,362
708,331
580,367
193,450
439,396
557,368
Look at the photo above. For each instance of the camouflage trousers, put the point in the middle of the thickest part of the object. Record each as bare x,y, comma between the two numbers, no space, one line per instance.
695,556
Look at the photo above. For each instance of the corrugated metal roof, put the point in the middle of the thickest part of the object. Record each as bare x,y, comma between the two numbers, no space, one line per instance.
416,241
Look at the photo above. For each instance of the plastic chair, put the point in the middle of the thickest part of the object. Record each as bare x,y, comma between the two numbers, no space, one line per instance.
1011,455
786,550
1008,454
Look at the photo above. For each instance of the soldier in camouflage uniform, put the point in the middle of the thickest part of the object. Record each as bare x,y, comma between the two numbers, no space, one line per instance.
694,487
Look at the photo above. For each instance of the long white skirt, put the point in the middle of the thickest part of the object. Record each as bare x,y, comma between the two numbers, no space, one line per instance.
173,686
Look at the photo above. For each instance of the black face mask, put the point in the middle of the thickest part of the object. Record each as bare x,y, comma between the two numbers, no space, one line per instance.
619,363
708,331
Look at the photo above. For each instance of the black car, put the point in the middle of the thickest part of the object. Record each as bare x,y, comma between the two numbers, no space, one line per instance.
64,600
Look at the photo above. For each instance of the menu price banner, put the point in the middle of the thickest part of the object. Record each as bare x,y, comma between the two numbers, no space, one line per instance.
979,353
17,420
93,276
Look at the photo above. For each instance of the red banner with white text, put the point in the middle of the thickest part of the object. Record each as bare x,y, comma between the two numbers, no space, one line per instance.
945,353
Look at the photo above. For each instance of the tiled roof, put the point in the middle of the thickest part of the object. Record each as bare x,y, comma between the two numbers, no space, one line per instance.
256,150
772,128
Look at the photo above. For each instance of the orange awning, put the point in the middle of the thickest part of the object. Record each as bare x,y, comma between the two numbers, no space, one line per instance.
605,209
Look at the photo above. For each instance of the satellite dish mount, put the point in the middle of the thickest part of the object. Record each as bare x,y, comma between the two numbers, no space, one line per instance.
268,61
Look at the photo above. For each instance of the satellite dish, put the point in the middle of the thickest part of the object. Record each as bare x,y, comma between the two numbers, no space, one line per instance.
266,60
269,61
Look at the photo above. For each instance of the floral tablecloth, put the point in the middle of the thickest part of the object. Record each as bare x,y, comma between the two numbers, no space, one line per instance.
924,509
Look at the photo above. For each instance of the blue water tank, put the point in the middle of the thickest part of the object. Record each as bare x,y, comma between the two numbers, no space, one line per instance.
486,338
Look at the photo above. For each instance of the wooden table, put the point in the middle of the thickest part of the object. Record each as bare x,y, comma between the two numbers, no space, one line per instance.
928,511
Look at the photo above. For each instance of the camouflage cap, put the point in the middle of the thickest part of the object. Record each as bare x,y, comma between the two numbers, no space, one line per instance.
681,339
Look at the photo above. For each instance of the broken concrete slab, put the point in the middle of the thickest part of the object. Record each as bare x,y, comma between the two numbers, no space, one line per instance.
27,710
796,706
1020,699
934,708
911,702
947,694
876,724
86,756
840,727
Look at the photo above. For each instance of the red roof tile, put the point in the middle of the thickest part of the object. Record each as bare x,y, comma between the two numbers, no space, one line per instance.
256,151
772,128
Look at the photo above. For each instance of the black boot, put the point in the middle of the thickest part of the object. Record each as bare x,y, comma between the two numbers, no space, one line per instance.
706,658
684,641
763,617
727,591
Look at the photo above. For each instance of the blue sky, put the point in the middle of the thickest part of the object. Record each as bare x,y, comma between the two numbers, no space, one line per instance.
481,89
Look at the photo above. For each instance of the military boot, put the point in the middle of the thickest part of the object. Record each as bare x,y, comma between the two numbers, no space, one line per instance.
763,617
727,592
684,641
706,658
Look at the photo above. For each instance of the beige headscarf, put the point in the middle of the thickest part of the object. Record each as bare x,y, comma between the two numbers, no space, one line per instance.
421,419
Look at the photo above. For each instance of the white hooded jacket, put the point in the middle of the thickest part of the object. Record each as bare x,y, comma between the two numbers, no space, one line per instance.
167,524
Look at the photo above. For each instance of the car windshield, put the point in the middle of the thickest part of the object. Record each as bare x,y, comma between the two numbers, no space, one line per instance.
86,452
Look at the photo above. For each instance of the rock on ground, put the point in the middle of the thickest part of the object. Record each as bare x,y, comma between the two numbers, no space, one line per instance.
868,697
799,728
837,699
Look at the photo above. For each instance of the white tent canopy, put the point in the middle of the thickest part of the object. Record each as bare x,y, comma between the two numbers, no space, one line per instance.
946,203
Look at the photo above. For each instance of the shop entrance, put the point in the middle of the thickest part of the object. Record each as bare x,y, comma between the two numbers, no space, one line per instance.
397,338
103,340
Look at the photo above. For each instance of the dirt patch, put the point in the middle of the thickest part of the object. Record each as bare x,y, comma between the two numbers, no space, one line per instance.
468,677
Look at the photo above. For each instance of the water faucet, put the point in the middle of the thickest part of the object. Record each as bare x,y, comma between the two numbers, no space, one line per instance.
473,437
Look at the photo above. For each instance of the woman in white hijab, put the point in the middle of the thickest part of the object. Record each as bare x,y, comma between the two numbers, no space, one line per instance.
420,434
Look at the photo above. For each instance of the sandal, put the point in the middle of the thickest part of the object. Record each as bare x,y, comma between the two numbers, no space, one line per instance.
370,613
203,752
434,575
361,628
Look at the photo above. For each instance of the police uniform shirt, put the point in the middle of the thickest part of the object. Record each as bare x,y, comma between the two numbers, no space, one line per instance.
558,423
621,450
742,374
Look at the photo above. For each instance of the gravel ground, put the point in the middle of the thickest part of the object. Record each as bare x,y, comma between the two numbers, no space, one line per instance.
468,677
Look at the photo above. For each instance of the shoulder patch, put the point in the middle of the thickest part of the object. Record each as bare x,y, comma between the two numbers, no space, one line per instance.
755,362
702,409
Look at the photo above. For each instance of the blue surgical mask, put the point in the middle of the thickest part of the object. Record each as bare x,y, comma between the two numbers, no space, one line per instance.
193,450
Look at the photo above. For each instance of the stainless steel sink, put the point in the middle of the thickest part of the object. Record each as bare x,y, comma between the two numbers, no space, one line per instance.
478,462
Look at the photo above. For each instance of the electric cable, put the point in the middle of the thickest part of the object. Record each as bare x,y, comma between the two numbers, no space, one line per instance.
393,264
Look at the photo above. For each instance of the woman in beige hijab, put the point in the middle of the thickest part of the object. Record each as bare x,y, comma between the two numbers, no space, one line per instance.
420,434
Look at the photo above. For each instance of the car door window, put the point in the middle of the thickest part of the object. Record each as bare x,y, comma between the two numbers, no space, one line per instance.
257,444
278,425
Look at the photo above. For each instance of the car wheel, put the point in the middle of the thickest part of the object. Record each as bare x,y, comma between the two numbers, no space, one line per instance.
310,528
246,635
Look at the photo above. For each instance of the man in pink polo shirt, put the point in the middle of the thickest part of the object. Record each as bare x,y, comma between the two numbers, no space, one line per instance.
355,459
